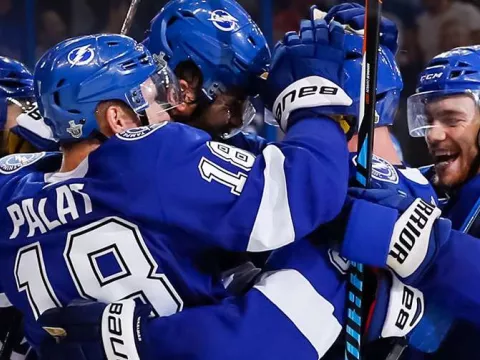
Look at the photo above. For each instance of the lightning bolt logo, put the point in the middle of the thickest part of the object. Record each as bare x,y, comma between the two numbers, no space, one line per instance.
81,56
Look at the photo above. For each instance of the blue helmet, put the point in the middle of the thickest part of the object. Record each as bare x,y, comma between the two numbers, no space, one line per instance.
389,79
15,82
453,72
72,78
218,36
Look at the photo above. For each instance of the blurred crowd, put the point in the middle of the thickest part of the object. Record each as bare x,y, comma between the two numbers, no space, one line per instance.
427,27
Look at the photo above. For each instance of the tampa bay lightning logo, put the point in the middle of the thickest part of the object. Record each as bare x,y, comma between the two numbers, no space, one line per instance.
82,55
382,170
222,20
140,132
12,163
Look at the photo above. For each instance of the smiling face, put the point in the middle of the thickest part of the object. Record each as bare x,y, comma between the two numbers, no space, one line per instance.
452,138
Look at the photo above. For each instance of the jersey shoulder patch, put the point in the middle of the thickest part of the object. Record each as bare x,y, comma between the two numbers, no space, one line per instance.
13,163
382,170
140,132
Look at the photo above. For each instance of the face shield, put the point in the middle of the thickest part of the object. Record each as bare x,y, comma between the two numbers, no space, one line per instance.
445,109
156,95
245,111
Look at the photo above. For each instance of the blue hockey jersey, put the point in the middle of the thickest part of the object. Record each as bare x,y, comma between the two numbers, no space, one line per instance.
296,310
148,213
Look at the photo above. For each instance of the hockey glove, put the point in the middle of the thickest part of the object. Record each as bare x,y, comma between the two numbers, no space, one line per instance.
353,15
385,228
88,330
306,73
31,133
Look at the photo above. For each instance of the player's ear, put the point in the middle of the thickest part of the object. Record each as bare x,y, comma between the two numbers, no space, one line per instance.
119,117
189,97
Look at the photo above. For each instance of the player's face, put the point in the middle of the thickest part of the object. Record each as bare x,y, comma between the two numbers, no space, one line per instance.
218,118
452,138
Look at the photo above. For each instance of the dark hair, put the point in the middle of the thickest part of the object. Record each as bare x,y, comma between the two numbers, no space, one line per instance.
191,73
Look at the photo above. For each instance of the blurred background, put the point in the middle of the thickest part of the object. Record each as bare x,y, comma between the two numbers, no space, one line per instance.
427,27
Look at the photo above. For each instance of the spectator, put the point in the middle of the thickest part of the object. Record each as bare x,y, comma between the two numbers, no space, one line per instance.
454,33
51,29
11,29
438,12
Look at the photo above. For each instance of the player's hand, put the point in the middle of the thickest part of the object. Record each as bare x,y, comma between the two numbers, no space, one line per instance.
31,134
396,310
306,73
92,330
385,228
353,15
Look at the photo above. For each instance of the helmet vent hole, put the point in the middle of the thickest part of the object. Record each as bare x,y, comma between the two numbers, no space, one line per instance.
251,41
73,111
128,65
56,98
454,74
8,83
470,72
171,21
112,43
144,59
60,83
12,75
381,96
352,55
463,64
186,14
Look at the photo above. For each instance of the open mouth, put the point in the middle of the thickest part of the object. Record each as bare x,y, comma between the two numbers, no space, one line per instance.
444,159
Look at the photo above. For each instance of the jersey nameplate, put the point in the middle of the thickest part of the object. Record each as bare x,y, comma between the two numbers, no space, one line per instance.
140,132
12,163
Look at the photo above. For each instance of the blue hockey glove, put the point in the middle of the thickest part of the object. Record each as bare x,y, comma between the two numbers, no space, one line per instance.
353,15
88,330
306,73
385,228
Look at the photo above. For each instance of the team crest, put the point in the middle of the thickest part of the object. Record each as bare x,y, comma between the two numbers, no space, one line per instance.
382,170
222,20
82,55
76,130
12,163
140,132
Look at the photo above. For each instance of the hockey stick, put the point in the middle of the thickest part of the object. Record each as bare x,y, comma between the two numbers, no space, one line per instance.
366,121
127,23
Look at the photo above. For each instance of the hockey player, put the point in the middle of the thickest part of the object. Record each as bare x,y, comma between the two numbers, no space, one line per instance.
220,57
445,110
298,303
16,91
237,194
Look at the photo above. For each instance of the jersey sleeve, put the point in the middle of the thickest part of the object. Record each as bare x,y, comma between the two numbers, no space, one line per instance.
232,199
291,313
453,279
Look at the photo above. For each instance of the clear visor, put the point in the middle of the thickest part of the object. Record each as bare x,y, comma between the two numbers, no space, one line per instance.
444,109
248,113
158,94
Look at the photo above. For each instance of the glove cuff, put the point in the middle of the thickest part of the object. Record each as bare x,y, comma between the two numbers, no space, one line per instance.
118,330
307,93
371,247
